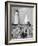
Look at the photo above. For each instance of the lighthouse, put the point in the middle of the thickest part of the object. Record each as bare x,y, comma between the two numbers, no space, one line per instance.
16,21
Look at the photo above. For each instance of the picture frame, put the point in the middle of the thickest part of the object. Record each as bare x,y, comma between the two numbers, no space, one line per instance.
20,18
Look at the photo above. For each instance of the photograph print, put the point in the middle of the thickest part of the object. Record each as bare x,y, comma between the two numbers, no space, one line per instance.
21,22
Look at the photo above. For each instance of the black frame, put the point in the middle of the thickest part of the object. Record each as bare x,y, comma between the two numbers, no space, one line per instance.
6,21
